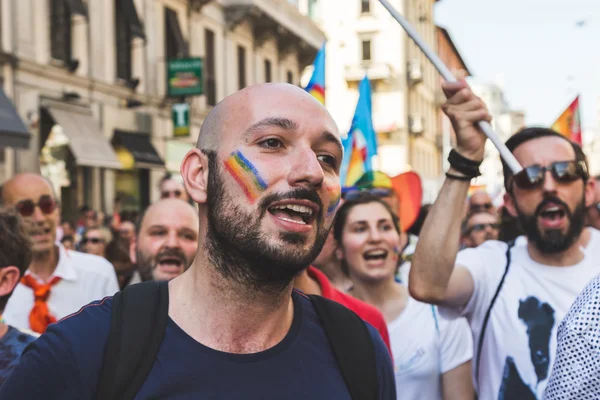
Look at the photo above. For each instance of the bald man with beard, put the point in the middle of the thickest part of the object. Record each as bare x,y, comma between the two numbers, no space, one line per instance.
265,176
58,281
166,240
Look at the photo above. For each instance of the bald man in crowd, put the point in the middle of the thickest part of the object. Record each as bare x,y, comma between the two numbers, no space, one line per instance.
58,281
264,174
166,240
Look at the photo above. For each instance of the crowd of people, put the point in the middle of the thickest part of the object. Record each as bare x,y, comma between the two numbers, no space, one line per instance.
222,279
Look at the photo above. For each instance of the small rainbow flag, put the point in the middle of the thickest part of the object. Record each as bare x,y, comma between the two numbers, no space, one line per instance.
361,144
242,170
316,85
569,123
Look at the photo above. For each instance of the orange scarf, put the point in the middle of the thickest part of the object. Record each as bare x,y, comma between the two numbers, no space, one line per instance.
40,317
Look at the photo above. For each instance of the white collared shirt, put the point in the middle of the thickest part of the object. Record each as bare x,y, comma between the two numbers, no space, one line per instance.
84,278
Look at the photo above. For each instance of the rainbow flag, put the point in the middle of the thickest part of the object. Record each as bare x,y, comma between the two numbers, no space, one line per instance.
316,85
569,122
361,144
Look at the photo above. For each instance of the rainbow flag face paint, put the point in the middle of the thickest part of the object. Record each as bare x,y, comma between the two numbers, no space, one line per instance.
246,175
336,194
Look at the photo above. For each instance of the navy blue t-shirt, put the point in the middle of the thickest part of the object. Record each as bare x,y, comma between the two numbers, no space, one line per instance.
65,363
12,345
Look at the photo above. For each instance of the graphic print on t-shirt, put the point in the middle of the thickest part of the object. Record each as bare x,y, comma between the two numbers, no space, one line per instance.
539,319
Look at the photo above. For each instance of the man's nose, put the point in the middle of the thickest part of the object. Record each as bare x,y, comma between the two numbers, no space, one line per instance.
306,170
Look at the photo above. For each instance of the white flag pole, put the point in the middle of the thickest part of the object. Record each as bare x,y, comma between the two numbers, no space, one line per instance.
508,157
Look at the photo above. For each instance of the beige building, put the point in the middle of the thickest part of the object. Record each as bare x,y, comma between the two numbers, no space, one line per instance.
89,80
362,38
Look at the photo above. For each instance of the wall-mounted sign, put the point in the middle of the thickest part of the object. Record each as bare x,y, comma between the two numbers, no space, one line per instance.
181,119
184,77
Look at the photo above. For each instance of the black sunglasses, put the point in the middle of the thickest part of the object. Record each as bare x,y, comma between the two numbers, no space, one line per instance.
482,227
26,207
92,240
562,171
379,192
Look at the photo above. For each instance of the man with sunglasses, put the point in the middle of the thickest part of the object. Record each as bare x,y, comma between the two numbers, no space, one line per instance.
58,282
479,227
513,297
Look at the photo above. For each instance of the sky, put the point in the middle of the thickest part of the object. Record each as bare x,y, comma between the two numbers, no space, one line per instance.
547,51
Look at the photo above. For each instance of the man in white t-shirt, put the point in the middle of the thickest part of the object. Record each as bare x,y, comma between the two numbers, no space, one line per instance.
58,282
545,275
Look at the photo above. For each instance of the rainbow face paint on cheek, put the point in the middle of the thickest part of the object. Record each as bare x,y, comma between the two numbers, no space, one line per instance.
246,175
336,194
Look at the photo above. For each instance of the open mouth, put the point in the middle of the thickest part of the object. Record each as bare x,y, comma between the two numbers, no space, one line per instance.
302,214
553,212
171,262
375,255
36,232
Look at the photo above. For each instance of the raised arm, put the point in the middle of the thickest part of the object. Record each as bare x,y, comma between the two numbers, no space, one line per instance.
433,277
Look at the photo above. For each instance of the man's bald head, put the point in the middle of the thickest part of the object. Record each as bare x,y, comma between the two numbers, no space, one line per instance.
237,110
21,183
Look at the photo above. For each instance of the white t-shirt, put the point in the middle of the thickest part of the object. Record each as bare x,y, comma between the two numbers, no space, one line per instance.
522,328
422,353
84,278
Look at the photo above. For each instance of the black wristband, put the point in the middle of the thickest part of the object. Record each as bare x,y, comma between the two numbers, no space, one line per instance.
458,177
464,165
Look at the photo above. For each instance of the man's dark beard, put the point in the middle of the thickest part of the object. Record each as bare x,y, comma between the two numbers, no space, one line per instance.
241,252
553,240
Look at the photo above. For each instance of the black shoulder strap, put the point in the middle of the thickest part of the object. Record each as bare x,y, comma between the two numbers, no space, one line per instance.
352,346
489,310
137,328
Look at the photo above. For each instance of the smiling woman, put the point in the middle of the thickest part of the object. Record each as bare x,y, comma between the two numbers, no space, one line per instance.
425,348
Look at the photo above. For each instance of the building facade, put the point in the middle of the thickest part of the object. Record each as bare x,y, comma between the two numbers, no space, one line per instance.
89,78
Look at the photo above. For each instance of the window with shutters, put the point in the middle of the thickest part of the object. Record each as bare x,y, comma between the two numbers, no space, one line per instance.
209,67
365,6
241,61
60,30
123,42
290,77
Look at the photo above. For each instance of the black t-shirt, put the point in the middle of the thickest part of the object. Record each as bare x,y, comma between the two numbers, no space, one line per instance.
65,363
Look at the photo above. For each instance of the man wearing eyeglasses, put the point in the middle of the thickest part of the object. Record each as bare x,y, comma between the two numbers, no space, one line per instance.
479,227
58,282
513,297
593,213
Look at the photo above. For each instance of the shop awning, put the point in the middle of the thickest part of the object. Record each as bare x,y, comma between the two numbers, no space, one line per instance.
13,132
141,149
89,146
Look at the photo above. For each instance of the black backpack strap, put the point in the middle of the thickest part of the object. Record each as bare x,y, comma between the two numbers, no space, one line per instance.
352,346
489,310
137,328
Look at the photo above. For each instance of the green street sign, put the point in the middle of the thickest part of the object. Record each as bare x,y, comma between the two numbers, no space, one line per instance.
184,77
181,119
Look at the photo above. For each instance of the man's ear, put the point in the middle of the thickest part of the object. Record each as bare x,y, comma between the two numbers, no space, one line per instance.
194,170
590,192
509,204
9,277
